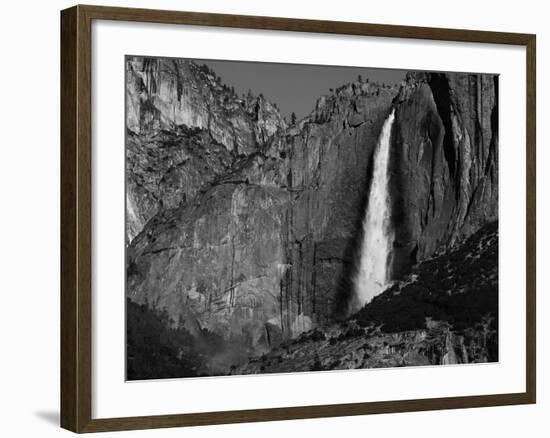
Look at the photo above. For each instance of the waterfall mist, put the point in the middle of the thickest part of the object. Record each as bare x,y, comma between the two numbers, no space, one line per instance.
372,275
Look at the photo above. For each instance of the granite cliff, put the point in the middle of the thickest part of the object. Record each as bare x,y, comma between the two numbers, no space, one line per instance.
184,129
444,312
444,163
247,227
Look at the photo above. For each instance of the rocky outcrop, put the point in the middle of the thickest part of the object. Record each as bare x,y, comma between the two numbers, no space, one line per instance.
163,93
185,128
347,347
444,162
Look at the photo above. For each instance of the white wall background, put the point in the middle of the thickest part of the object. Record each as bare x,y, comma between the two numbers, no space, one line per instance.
29,219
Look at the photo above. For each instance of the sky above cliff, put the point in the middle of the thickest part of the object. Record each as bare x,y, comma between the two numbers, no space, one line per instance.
294,87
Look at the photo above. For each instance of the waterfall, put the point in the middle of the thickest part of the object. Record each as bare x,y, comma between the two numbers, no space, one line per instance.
372,276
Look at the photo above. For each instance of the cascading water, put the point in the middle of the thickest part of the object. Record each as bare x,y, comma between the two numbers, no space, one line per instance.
372,275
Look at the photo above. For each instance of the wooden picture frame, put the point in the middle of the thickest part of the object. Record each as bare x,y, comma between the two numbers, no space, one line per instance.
76,218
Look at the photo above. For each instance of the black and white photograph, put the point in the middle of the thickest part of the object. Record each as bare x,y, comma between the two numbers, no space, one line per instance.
268,219
285,218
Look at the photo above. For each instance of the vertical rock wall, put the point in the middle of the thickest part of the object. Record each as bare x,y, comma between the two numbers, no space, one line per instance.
331,156
444,163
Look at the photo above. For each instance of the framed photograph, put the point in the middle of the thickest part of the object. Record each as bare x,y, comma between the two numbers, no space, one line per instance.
269,218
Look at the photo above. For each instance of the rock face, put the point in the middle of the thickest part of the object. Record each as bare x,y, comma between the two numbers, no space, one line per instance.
165,93
215,264
184,129
247,228
330,156
445,312
444,163
165,168
261,255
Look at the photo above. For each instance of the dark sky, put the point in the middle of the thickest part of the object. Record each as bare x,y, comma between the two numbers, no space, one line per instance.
293,87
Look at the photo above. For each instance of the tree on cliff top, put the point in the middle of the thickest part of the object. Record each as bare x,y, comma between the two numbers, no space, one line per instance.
293,118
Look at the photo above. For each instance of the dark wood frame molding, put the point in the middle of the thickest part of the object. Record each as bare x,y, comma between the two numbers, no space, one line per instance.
76,225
